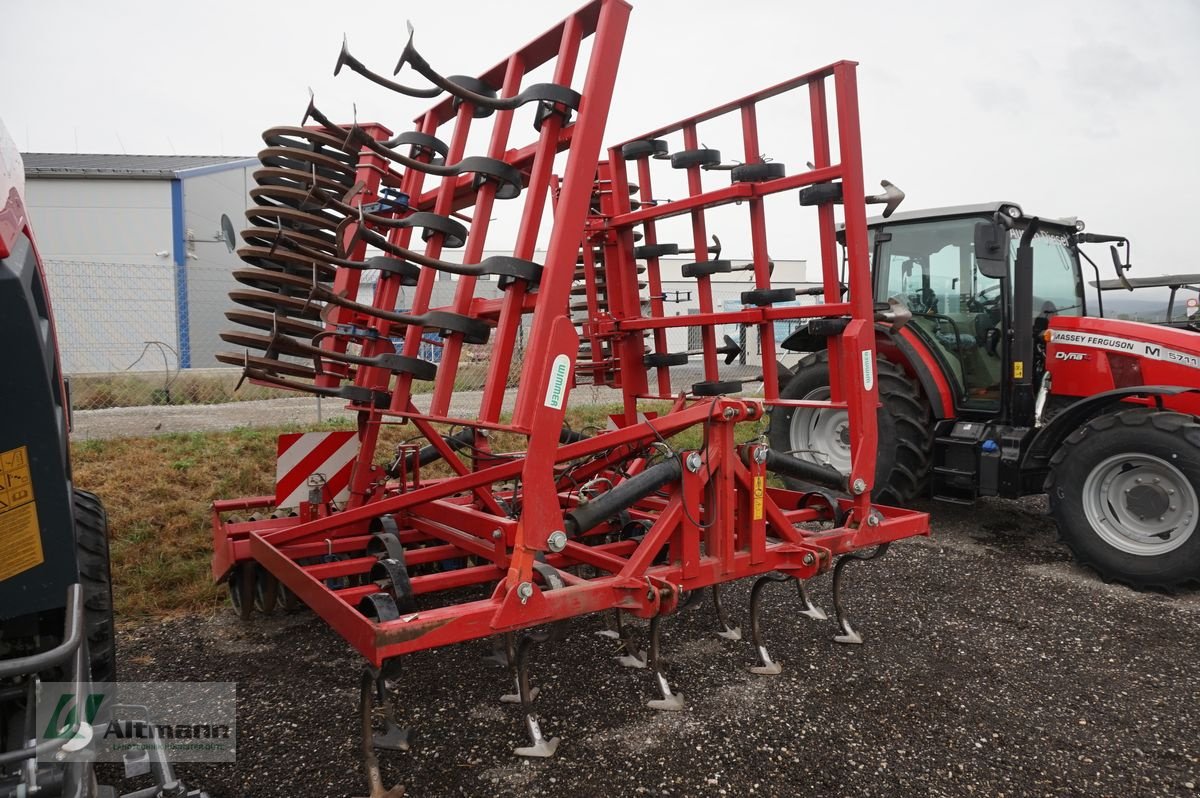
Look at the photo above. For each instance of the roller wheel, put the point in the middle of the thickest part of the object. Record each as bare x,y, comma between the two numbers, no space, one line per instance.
638,149
241,589
685,158
757,172
904,421
266,590
716,388
1124,490
95,577
658,359
768,296
655,251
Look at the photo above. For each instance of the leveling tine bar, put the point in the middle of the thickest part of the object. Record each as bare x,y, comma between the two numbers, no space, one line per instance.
451,540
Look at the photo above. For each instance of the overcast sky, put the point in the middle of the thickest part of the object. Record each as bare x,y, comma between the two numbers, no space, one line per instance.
1086,109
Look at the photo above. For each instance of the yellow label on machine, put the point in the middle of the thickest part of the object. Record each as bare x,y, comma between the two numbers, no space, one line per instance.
759,483
1018,369
20,536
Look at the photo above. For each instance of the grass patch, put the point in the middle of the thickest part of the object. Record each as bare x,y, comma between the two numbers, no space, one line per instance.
158,492
95,391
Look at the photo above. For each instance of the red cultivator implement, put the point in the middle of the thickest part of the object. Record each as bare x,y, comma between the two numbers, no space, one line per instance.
624,519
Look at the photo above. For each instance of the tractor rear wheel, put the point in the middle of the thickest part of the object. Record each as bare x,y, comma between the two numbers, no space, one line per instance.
1124,490
95,577
822,436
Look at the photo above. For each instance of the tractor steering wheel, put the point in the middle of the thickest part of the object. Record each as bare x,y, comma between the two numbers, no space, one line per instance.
982,302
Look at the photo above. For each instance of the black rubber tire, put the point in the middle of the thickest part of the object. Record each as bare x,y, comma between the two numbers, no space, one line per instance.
685,158
95,577
643,147
706,268
1173,437
657,359
757,172
717,388
655,251
905,426
768,296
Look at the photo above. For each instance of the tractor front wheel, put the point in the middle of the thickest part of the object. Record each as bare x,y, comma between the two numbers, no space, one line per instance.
1123,490
822,435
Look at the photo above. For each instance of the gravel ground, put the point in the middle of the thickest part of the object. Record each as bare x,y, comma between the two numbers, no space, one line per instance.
992,666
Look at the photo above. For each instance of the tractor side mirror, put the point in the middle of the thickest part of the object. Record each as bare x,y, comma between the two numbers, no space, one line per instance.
991,249
1120,267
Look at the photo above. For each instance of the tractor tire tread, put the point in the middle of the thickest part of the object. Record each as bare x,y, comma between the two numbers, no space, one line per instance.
1179,426
95,577
911,422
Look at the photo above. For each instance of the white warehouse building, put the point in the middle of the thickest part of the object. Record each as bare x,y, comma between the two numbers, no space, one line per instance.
135,252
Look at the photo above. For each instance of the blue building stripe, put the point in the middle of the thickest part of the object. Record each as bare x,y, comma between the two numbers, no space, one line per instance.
179,242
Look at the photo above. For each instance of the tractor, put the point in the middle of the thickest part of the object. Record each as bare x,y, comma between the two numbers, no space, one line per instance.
56,611
1000,375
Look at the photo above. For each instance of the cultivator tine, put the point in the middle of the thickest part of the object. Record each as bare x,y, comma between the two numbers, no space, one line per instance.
609,631
811,610
370,759
538,746
671,702
728,631
508,651
395,737
849,636
766,666
501,655
633,656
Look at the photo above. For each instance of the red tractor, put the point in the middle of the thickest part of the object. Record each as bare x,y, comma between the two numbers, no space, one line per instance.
1007,380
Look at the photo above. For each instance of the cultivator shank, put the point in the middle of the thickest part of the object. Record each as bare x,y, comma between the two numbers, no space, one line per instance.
638,517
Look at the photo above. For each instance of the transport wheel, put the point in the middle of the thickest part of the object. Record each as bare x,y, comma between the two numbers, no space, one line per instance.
1123,490
95,576
822,436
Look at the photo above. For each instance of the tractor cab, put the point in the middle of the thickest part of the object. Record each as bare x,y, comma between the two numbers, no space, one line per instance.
961,304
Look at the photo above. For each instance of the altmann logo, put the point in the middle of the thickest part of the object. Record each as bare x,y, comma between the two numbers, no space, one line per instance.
1072,356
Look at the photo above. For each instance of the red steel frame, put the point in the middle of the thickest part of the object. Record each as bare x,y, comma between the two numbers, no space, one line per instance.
716,523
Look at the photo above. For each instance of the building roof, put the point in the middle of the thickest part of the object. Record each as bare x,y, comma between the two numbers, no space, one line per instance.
126,167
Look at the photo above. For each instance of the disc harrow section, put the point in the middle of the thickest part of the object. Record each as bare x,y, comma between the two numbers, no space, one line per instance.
483,526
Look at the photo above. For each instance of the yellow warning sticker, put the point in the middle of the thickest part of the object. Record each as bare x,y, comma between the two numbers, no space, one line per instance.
1018,369
759,486
20,536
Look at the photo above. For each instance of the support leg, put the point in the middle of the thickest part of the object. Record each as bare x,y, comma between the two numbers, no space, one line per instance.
766,666
670,701
538,746
728,631
848,635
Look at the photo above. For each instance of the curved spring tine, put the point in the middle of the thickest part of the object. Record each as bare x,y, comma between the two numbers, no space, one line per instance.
347,60
766,666
849,636
370,759
670,701
728,631
539,746
548,92
810,610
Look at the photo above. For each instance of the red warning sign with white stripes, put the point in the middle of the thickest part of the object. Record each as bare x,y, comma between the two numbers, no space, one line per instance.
305,458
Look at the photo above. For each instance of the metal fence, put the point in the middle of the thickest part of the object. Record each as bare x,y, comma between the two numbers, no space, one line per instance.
121,327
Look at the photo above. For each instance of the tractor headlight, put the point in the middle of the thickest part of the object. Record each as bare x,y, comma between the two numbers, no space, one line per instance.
1013,211
1079,225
